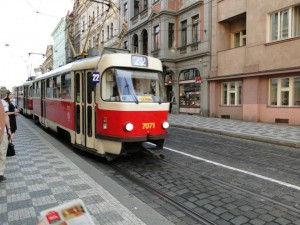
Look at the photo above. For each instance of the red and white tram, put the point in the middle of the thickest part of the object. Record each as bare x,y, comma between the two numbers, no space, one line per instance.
23,96
95,102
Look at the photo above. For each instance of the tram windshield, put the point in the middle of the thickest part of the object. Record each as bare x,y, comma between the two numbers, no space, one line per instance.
132,86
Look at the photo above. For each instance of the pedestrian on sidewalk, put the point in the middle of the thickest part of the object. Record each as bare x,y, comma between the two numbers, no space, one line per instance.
13,112
5,126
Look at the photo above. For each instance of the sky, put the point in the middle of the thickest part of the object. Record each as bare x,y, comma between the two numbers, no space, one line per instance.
26,26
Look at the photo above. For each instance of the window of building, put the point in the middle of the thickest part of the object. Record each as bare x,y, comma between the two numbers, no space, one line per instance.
285,23
102,36
184,33
136,9
112,29
171,35
240,39
156,37
94,42
285,91
231,93
125,44
145,42
195,29
125,12
135,44
145,4
107,38
83,25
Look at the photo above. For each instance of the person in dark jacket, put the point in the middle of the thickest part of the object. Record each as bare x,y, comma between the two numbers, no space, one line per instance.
12,113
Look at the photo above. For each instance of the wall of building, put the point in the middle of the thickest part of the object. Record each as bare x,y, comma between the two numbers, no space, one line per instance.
253,64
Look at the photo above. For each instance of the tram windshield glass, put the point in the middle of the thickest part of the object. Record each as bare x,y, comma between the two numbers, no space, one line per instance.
119,85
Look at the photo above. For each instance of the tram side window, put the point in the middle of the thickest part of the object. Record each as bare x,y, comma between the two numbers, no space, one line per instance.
56,86
38,89
49,86
33,90
66,86
30,94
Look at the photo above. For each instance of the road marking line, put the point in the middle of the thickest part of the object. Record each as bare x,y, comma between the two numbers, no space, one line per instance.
236,169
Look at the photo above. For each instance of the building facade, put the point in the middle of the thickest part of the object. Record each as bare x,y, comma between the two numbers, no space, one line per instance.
59,44
178,33
255,72
90,27
48,63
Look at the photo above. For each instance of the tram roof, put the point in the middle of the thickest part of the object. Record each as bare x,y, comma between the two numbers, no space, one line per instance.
91,62
81,64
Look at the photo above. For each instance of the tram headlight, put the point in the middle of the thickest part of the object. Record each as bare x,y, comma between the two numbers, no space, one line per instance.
129,127
165,125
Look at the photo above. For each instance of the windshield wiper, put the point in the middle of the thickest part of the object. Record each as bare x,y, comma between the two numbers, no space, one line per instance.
130,92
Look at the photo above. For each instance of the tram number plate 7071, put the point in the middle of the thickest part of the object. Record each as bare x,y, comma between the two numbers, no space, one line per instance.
148,125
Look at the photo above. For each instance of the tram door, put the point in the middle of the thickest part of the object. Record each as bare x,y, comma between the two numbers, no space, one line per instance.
25,99
43,103
84,109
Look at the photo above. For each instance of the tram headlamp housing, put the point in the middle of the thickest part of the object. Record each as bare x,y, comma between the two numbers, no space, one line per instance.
165,125
129,127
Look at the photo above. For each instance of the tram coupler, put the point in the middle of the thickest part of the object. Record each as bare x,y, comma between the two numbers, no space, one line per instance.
153,154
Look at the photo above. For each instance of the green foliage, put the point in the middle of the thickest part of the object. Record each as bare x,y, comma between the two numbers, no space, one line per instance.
3,91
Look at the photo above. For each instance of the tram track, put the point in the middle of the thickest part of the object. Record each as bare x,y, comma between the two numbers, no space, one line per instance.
231,156
229,185
196,216
142,177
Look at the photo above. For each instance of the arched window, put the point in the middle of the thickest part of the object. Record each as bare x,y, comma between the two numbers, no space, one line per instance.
145,42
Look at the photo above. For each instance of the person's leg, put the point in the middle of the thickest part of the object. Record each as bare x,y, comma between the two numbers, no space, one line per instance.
3,150
12,136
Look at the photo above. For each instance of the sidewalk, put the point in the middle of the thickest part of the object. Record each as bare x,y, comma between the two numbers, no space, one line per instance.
269,133
44,173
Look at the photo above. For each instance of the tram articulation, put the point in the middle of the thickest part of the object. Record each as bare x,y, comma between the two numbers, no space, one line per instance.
94,101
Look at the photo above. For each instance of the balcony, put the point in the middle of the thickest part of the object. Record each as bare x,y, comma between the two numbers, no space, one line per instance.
231,61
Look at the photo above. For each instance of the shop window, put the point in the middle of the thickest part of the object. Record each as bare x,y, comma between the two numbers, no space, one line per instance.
285,91
189,89
189,74
231,93
189,95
